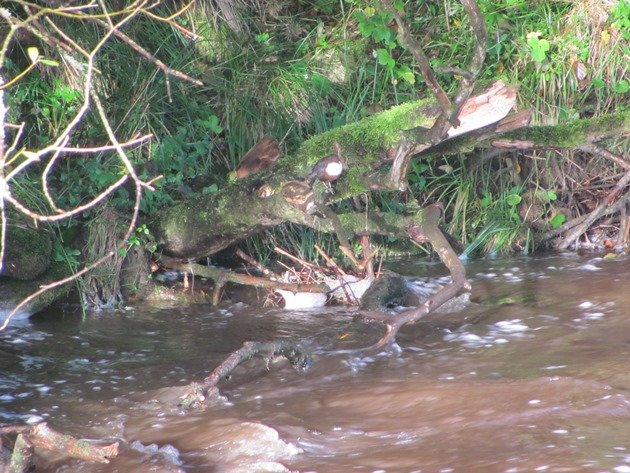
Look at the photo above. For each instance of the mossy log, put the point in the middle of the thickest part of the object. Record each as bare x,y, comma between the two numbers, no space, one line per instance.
375,151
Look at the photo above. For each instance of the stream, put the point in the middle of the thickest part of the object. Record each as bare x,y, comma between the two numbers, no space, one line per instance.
532,375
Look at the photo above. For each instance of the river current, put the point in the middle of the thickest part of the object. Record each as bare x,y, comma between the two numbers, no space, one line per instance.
532,375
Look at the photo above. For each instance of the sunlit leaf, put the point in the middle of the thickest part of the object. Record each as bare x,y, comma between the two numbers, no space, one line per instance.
384,58
262,37
33,53
622,87
557,220
538,46
406,75
513,199
49,62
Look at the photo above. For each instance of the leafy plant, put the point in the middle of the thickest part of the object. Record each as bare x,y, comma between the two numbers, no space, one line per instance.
538,46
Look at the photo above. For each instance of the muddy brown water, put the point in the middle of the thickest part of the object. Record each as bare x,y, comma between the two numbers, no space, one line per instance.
540,382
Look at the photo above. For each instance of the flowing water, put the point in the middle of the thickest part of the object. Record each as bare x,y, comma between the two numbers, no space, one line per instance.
532,375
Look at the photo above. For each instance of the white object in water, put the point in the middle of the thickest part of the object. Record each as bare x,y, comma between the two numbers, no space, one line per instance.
302,300
353,285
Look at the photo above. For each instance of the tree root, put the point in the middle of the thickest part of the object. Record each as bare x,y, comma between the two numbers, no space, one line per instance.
42,436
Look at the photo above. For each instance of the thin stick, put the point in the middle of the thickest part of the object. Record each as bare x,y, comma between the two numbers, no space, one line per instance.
256,264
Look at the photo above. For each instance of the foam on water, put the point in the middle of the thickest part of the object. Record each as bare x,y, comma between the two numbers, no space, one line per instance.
497,334
168,452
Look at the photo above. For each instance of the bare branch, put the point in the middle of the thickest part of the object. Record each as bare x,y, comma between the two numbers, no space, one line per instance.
146,54
59,146
428,231
407,40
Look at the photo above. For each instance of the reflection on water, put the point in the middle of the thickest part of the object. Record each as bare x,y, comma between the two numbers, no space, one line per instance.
539,381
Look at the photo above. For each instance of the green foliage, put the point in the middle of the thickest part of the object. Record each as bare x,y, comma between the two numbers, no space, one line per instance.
376,26
310,67
48,107
620,18
140,237
539,46
558,220
69,256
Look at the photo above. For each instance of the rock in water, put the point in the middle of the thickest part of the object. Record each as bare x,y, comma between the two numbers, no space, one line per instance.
386,291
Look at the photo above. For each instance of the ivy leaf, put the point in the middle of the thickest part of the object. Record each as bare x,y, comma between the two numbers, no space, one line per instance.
557,221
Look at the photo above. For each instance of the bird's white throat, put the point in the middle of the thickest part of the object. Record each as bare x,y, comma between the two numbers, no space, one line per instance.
334,169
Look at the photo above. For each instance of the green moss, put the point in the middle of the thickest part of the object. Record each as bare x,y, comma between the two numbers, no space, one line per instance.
575,134
28,253
367,139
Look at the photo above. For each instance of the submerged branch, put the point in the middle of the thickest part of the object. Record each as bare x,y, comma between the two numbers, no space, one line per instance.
294,352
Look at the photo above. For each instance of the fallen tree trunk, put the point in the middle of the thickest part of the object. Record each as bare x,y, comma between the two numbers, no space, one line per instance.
376,151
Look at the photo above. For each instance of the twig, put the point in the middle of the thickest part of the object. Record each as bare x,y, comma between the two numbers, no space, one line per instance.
593,148
596,213
339,273
222,276
368,256
256,264
300,261
146,54
329,261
